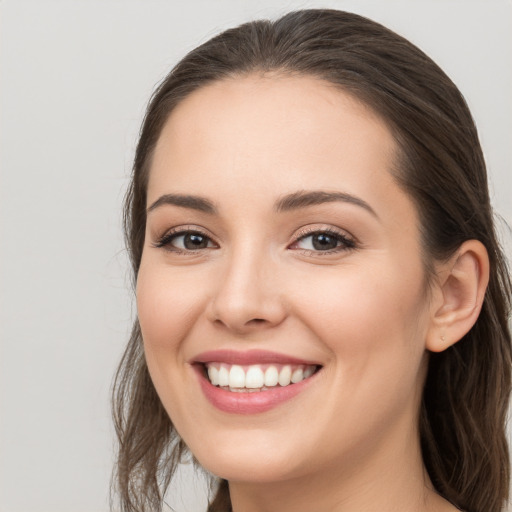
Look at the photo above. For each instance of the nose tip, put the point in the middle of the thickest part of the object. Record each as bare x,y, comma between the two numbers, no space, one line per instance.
246,301
246,314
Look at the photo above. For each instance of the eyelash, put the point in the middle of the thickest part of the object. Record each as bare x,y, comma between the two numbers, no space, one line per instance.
345,242
165,241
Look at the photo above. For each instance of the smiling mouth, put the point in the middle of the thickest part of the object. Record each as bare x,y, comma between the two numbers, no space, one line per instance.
256,377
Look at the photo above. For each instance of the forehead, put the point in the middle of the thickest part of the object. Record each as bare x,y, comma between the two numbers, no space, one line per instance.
281,123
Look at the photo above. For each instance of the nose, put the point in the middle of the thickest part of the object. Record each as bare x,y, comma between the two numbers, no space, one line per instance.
248,296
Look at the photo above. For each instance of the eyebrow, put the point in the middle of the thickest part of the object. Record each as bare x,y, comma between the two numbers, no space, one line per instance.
185,201
303,199
290,202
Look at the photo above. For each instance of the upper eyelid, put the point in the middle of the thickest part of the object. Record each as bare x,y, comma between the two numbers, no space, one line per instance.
305,231
188,228
343,233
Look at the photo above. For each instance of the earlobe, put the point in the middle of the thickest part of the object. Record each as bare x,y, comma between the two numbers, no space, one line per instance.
461,289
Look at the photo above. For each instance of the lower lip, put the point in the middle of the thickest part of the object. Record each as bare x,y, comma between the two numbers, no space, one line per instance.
249,403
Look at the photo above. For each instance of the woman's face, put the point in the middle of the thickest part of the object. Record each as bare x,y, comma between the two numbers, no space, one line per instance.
278,246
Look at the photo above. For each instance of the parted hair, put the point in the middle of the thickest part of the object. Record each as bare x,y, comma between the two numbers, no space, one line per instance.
439,164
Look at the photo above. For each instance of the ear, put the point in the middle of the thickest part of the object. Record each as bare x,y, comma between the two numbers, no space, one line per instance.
458,295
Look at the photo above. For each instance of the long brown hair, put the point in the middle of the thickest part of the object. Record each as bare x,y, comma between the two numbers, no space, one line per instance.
441,166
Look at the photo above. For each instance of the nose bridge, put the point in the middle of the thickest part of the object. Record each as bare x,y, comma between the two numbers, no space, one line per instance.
247,296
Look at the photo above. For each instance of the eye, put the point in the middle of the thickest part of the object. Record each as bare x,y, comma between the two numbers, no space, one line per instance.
185,241
326,241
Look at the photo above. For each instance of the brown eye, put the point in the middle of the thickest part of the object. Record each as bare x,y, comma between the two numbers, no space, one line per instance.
193,241
324,241
185,241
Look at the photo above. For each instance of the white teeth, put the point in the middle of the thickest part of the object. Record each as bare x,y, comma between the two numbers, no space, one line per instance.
213,375
308,372
223,376
236,377
271,376
297,375
254,377
285,376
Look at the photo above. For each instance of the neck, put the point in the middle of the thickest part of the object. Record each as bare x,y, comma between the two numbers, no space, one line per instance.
388,477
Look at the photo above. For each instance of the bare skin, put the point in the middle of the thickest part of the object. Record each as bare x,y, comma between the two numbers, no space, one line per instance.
339,283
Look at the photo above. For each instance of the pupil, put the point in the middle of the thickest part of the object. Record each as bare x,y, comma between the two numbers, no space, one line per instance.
195,241
324,242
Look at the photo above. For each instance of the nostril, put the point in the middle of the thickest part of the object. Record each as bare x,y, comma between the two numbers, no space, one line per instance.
256,321
249,325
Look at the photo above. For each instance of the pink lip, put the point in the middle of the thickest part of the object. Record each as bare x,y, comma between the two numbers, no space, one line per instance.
241,402
248,403
248,357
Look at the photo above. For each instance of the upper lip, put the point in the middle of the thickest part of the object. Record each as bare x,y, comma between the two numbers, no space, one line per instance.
248,357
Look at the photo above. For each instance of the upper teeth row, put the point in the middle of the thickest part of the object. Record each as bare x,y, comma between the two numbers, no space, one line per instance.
256,376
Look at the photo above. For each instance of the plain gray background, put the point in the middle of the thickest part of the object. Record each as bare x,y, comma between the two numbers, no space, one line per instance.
75,77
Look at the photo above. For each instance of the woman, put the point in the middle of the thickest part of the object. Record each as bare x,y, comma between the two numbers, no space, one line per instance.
322,301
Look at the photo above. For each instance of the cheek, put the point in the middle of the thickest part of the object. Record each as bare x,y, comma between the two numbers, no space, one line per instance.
167,306
370,321
374,329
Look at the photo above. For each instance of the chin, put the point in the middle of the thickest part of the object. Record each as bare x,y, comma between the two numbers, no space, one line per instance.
252,456
250,471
